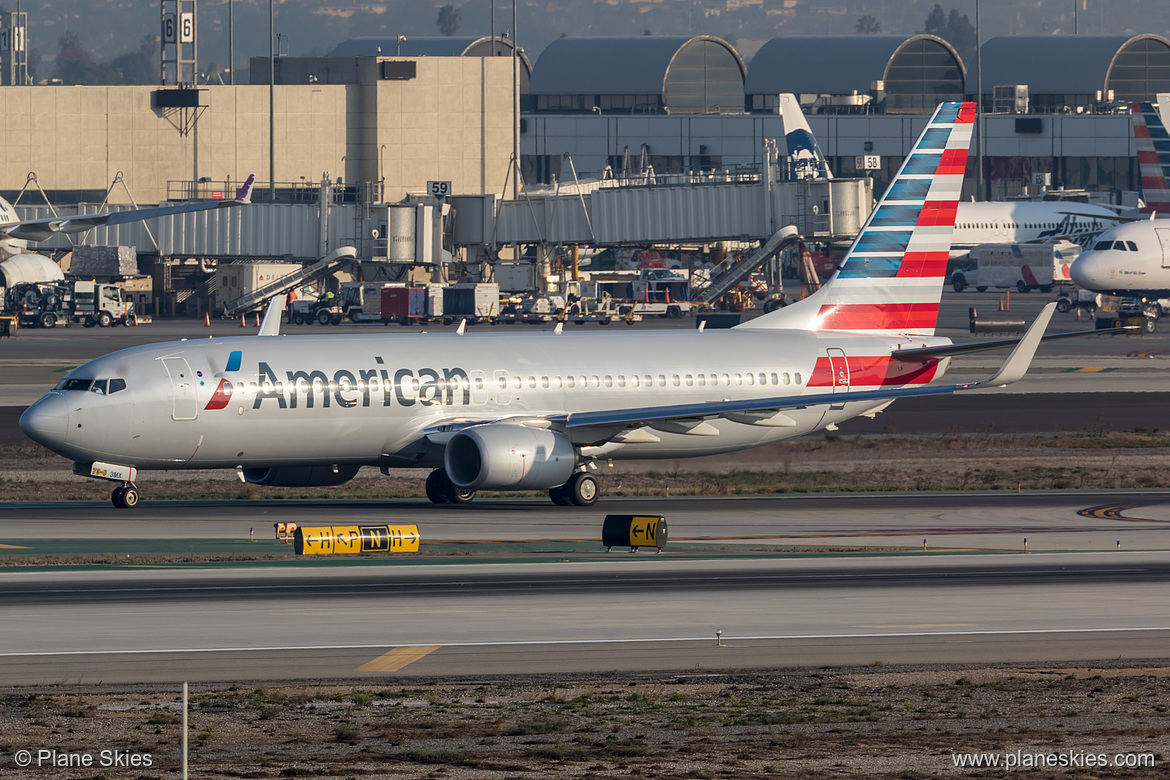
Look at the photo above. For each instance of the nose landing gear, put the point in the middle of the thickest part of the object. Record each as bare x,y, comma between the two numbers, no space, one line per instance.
125,497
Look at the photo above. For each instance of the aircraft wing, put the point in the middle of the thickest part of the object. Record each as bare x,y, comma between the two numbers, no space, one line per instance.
602,425
968,347
41,229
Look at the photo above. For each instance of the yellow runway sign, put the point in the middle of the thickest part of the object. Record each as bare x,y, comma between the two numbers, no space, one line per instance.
353,539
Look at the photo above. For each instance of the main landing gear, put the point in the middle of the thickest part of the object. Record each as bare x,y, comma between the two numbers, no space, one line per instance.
580,490
441,490
125,497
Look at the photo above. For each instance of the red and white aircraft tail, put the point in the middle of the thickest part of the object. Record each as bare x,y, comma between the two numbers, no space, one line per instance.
1153,153
891,280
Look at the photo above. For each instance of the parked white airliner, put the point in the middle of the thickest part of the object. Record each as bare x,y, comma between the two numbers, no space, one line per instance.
1133,260
538,410
976,222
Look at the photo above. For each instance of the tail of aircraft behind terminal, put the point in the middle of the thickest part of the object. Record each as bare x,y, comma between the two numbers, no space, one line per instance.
891,280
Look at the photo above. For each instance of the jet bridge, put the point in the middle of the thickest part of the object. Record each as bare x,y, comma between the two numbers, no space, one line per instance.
666,210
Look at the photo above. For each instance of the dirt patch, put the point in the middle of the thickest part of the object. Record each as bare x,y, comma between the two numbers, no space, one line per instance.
829,463
873,722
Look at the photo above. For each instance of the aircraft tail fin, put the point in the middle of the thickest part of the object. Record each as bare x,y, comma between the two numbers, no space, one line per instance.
805,158
892,278
1153,153
245,193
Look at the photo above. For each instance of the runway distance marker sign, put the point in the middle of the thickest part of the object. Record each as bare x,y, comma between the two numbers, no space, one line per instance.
356,539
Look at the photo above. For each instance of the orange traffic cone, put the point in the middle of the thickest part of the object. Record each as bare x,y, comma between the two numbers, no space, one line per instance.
207,320
257,319
243,320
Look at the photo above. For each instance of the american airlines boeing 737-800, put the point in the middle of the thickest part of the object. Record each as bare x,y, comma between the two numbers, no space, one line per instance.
538,410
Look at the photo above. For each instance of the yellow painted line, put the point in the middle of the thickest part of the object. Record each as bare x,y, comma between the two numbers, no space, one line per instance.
398,658
11,547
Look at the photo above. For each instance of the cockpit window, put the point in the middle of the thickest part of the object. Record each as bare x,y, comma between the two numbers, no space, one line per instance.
117,385
1132,246
99,386
1120,245
70,383
1100,245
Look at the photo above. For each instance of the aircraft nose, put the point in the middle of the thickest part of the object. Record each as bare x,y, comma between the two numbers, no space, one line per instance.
47,421
1083,270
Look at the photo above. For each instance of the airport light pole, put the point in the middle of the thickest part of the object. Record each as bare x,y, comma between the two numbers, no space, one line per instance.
978,107
515,109
271,102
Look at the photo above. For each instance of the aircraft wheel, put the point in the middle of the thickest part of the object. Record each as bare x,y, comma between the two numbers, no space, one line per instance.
559,496
129,497
581,489
437,486
457,495
116,498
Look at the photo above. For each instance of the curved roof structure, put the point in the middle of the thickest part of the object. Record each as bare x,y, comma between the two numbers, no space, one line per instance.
431,46
845,63
699,74
1135,67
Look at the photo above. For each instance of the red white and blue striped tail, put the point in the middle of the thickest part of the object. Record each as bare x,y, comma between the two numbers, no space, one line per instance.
891,280
1153,153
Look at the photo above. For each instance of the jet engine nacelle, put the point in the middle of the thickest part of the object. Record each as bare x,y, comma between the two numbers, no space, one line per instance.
300,476
499,456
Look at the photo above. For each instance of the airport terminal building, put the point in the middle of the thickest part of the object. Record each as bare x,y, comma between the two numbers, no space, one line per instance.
400,113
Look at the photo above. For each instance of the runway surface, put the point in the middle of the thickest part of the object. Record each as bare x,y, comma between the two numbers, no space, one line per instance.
647,614
1050,521
1073,596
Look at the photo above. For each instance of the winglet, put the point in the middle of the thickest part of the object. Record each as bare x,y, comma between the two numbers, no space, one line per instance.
271,324
1017,363
245,193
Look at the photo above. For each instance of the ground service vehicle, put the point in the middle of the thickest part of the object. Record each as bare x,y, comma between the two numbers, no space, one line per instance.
100,304
39,304
325,311
1022,266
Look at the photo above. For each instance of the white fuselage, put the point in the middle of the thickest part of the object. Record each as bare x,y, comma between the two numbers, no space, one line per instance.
1128,260
1027,221
382,400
